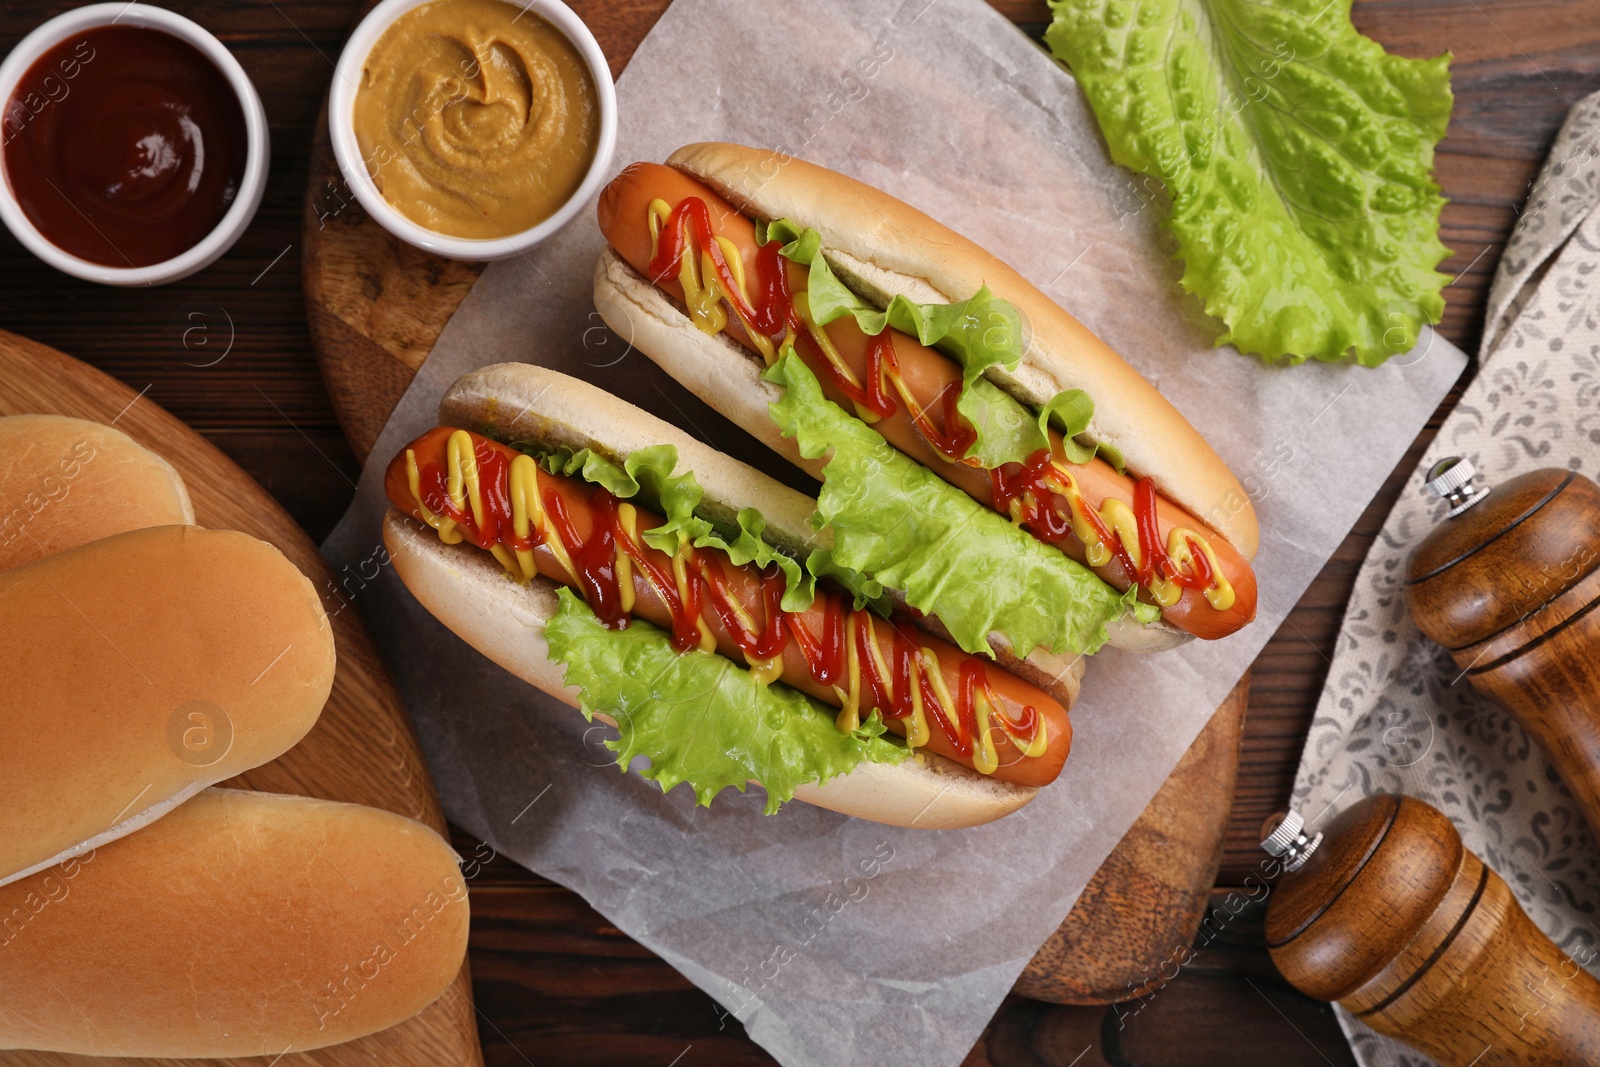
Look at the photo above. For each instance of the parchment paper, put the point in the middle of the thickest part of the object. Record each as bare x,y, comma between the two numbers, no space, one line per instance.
834,940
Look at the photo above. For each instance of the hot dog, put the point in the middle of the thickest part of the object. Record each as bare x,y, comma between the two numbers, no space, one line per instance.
690,222
545,525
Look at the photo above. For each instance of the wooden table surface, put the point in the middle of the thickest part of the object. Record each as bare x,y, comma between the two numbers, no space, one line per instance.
228,352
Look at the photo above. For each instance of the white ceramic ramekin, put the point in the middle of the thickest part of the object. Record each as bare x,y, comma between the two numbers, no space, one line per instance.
341,130
257,147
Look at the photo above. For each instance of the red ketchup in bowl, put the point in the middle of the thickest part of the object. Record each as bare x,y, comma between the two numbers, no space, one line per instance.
124,145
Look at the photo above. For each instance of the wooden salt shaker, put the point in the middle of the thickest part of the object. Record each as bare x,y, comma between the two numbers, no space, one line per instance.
1395,919
1509,584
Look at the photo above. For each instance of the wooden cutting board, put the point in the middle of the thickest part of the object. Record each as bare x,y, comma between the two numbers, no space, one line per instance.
376,305
362,749
1144,905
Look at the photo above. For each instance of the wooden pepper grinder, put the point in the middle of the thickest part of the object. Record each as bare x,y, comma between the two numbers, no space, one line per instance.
1509,584
1396,920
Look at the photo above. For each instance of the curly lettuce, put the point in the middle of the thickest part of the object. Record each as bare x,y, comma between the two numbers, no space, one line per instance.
901,525
1297,155
648,473
978,333
699,718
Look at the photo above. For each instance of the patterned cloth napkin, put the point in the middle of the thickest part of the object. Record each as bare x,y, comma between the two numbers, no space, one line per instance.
1395,715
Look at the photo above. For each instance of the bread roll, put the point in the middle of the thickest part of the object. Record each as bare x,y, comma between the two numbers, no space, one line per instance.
468,591
65,482
141,668
242,924
881,246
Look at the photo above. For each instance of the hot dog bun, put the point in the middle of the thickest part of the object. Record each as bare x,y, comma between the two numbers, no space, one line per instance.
471,594
881,246
141,668
65,482
243,924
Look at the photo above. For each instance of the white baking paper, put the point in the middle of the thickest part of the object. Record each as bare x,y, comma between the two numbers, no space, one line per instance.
830,939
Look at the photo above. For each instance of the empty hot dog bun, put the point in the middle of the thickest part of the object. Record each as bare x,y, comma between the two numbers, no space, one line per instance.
468,591
242,924
141,668
65,482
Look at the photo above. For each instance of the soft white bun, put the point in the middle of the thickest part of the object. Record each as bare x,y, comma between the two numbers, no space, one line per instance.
880,246
727,376
141,668
470,593
65,482
242,924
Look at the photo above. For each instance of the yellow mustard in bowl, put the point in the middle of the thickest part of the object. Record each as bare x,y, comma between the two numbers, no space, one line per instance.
475,118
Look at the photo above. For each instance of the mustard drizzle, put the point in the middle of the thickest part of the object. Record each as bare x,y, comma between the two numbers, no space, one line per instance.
1118,517
924,664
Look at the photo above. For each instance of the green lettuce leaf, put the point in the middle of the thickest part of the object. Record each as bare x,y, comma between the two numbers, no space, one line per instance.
979,332
899,524
867,593
750,547
648,472
589,465
700,718
1297,157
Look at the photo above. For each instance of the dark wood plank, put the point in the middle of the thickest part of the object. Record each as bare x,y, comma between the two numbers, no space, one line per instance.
581,993
1145,902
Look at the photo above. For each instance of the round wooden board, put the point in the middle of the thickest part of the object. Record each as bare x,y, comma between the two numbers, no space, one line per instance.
1144,905
362,749
376,305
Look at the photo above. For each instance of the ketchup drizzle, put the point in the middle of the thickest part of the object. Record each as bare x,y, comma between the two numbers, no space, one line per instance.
880,357
952,443
776,311
1153,558
1048,516
674,241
